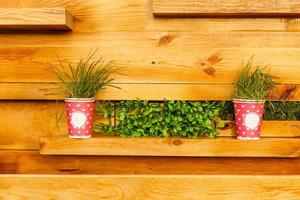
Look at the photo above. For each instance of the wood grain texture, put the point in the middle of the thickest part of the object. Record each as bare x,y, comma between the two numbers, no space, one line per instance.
225,8
132,91
157,57
150,50
22,123
129,15
36,91
35,19
31,162
148,187
220,147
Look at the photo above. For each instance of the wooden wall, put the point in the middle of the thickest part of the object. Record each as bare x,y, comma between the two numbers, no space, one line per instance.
174,58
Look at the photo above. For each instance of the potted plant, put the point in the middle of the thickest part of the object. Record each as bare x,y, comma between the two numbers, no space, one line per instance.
251,90
80,83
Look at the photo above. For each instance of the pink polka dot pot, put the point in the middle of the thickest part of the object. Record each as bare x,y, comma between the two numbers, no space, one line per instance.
248,118
80,117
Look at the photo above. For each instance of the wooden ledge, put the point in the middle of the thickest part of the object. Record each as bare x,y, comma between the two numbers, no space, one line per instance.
35,19
220,147
227,8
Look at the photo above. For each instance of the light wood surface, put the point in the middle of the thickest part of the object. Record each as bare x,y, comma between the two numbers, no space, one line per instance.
22,123
127,91
157,57
31,162
148,187
181,49
35,19
220,147
180,58
128,15
233,8
40,91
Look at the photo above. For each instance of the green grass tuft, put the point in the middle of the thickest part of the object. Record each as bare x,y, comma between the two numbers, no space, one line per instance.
84,79
254,84
282,110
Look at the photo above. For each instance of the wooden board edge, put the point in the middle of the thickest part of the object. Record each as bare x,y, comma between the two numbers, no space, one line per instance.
224,15
146,176
69,20
220,147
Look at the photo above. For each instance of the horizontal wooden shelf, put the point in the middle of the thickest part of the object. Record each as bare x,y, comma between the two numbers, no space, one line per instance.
35,19
227,8
220,147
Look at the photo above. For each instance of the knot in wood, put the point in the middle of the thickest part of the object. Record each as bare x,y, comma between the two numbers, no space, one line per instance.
210,71
164,40
177,142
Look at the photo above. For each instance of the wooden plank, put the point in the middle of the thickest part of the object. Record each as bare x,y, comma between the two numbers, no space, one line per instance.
220,147
125,15
227,8
35,91
31,162
35,19
23,123
148,187
172,57
40,91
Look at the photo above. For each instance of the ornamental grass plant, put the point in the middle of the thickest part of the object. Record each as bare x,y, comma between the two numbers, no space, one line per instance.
84,79
255,82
